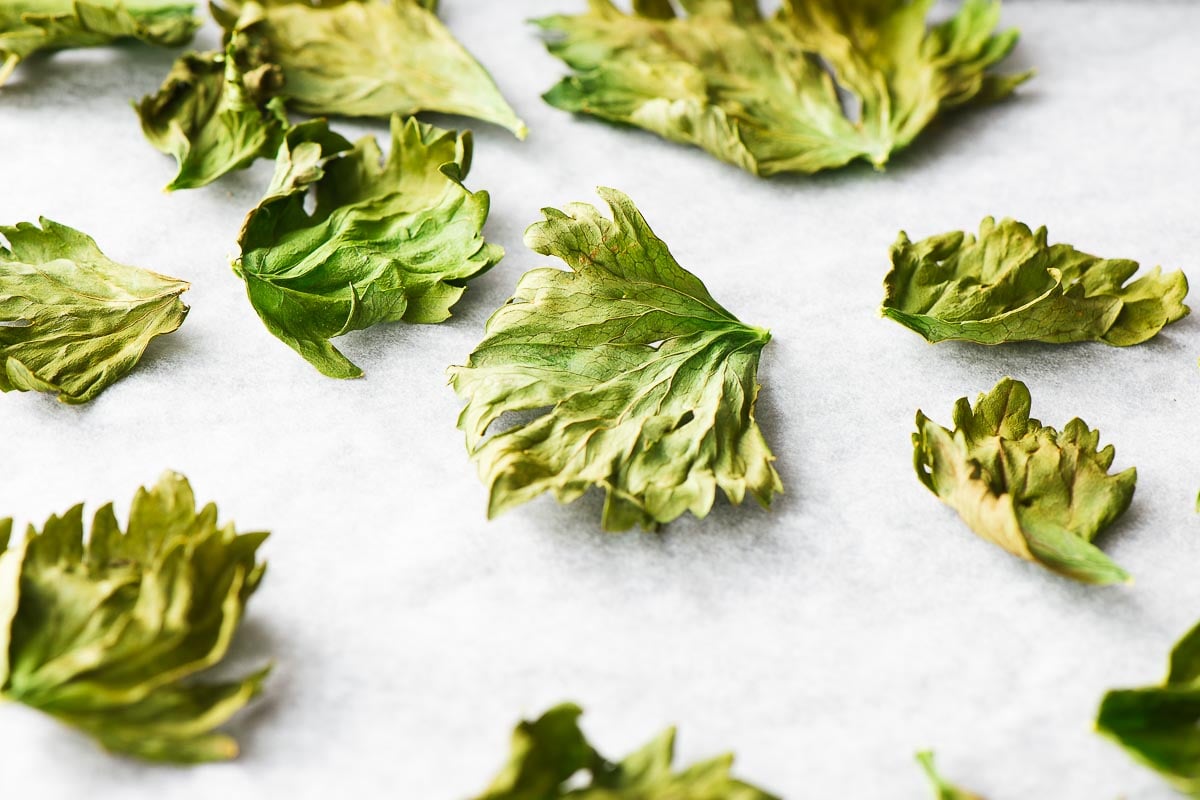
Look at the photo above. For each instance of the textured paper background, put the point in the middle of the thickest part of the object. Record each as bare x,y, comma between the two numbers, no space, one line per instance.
824,641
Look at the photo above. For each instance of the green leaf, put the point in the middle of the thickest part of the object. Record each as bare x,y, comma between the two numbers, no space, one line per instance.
942,789
762,93
109,635
545,754
645,383
1009,285
1040,494
371,58
217,112
27,26
388,240
1160,725
548,753
72,321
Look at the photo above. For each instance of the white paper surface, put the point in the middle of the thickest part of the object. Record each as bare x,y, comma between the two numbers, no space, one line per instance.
824,641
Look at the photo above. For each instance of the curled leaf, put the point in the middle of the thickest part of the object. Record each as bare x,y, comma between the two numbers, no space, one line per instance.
216,112
370,58
647,385
765,92
551,753
1010,285
72,321
27,26
386,240
109,635
1040,494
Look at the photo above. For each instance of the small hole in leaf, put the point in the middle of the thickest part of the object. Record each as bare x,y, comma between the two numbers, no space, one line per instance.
656,345
684,420
850,102
578,781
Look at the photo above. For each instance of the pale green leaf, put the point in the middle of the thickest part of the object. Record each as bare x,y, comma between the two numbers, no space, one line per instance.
943,790
109,633
388,239
216,112
763,92
645,385
72,321
371,58
1010,285
1160,725
1040,494
27,26
549,754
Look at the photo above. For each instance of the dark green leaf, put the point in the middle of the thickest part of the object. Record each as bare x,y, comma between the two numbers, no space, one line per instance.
1160,725
388,239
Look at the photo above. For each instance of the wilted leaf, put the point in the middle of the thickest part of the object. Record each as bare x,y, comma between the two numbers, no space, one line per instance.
648,385
27,26
370,58
216,112
388,239
72,321
1009,285
108,635
763,92
1040,494
548,752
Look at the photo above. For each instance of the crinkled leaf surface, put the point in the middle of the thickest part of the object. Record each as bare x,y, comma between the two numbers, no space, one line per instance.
1038,493
388,239
647,384
72,321
371,58
1160,725
1010,285
762,93
108,635
548,752
27,26
943,790
216,112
